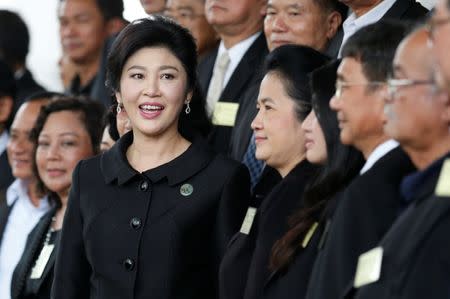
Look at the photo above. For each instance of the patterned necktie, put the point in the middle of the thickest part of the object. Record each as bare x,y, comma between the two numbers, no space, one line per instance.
216,84
254,166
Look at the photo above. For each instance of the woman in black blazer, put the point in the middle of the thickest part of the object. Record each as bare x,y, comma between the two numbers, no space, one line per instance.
66,131
283,103
151,217
294,254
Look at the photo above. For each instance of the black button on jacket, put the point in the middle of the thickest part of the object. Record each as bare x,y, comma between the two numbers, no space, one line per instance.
181,236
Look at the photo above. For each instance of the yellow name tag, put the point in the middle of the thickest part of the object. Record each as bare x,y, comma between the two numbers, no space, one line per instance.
369,267
443,185
225,114
309,235
248,221
41,262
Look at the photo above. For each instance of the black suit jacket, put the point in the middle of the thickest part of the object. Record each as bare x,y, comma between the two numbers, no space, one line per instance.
407,10
367,209
6,177
246,74
293,282
31,253
416,259
99,91
26,86
156,234
5,210
242,131
245,267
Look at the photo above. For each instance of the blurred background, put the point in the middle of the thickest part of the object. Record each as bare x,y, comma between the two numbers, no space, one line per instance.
45,50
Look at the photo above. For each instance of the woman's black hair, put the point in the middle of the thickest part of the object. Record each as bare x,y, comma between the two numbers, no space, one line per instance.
159,31
342,165
90,114
293,64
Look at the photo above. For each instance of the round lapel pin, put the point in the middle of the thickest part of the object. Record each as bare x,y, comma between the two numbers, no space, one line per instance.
186,189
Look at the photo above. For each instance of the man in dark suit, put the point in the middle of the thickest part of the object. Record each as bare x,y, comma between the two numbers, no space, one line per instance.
7,95
232,68
83,41
365,12
370,204
14,43
415,258
22,206
315,26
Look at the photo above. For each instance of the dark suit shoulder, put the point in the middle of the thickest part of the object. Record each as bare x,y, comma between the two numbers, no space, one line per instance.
406,10
29,256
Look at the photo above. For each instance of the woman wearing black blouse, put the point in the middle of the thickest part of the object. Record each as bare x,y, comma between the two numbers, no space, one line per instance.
66,131
293,256
283,103
151,217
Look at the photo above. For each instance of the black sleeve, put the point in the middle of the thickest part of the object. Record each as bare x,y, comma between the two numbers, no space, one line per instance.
72,270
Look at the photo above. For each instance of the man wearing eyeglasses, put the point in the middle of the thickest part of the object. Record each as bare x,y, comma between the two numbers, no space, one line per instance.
415,260
370,204
439,27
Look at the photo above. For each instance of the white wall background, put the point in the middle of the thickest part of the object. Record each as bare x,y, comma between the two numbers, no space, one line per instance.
45,50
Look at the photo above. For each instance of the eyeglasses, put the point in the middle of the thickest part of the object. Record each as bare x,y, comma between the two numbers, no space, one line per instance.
180,15
341,85
433,24
395,84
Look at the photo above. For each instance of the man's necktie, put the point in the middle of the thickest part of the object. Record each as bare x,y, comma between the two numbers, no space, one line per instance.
216,84
254,166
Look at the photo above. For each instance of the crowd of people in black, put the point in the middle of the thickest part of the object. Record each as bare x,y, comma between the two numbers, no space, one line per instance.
230,149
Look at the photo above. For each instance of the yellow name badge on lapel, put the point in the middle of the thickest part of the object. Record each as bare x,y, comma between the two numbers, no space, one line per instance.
309,234
443,185
225,114
248,220
41,262
369,267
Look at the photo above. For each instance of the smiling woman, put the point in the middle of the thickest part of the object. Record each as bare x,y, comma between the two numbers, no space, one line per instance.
66,131
151,217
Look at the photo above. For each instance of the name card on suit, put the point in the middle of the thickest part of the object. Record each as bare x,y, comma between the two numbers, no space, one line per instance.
309,234
369,267
225,114
443,185
248,220
42,261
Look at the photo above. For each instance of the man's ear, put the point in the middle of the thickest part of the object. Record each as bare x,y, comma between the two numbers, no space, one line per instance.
7,106
334,20
263,9
115,25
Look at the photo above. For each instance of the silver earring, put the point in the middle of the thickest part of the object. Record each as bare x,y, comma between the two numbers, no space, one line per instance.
188,108
119,108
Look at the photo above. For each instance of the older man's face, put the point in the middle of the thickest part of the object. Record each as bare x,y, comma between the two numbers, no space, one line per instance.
413,105
300,22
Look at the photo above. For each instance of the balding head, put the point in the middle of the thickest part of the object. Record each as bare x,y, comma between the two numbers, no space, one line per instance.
414,106
413,57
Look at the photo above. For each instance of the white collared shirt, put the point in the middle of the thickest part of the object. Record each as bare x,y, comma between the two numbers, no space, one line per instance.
380,151
235,53
22,219
3,142
353,24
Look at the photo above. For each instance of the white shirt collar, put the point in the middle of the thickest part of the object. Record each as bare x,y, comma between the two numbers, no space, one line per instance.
353,23
3,141
378,153
19,191
235,53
